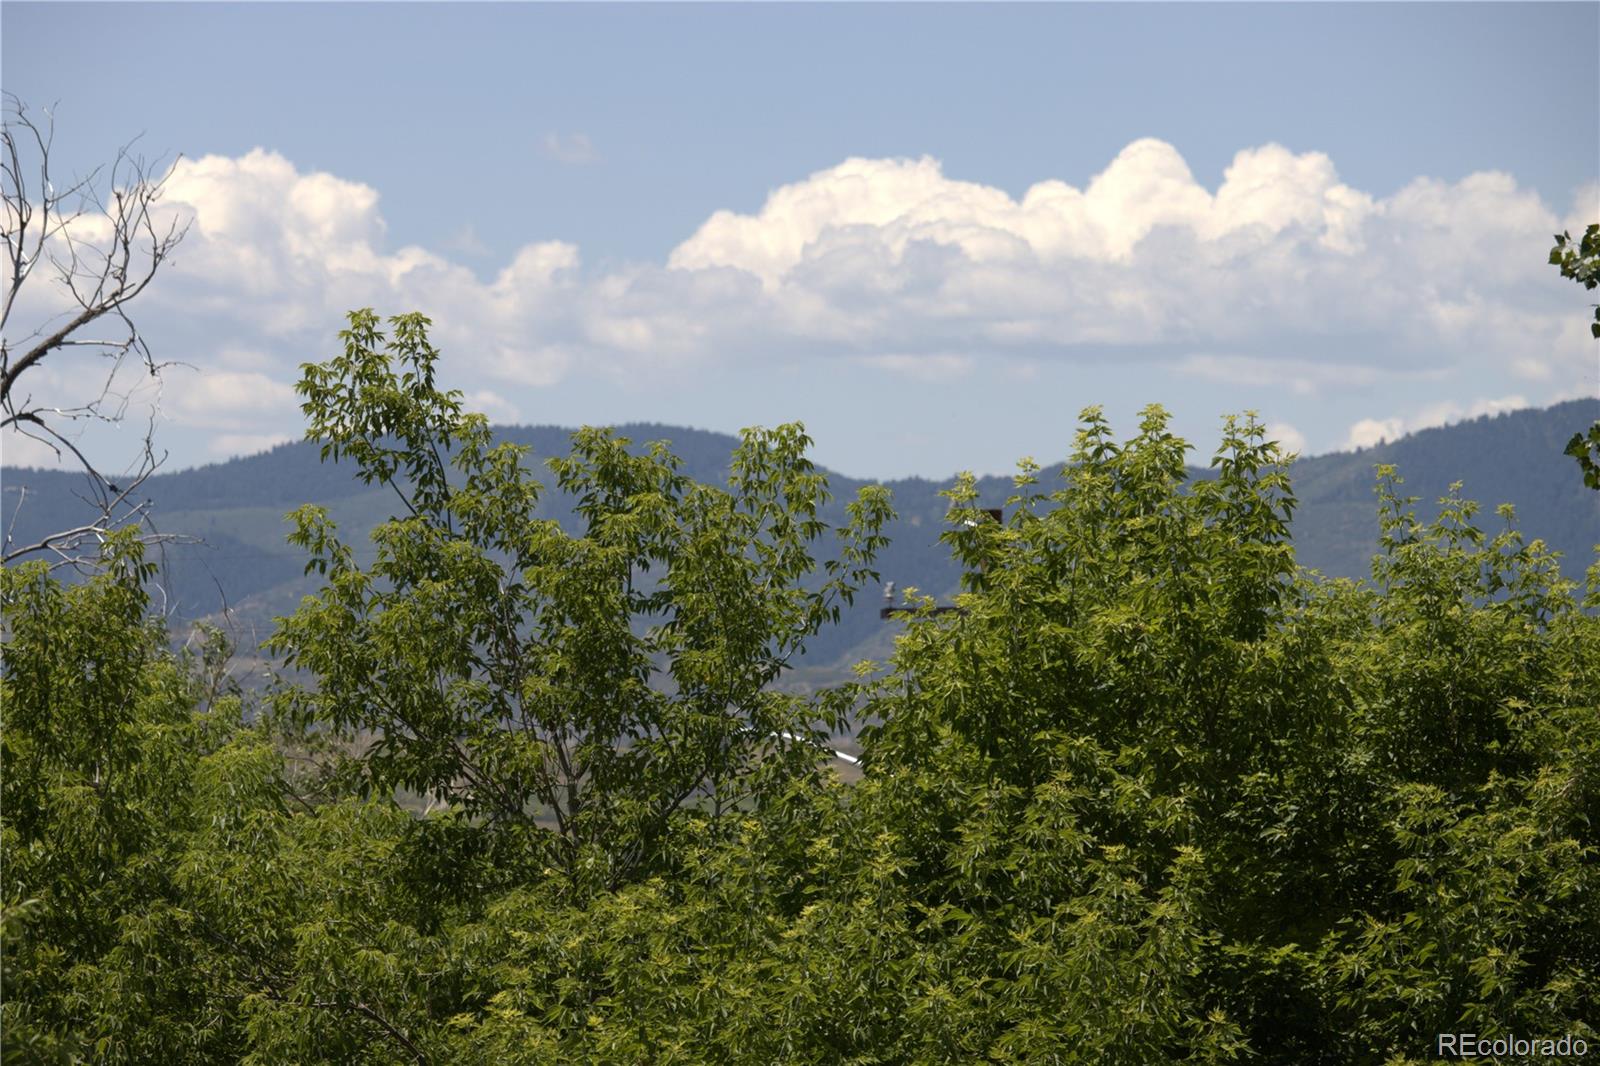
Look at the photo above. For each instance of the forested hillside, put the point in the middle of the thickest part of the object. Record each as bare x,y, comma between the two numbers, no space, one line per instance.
237,510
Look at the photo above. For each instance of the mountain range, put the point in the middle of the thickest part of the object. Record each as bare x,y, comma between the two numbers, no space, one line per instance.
240,560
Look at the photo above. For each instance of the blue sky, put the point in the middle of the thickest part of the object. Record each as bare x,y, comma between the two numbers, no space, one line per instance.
932,233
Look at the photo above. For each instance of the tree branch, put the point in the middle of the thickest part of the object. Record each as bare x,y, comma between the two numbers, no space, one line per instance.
99,281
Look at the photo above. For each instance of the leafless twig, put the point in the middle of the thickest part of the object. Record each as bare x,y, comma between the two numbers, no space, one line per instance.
102,237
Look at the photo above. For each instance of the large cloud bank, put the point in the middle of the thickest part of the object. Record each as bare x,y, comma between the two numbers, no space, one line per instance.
1283,274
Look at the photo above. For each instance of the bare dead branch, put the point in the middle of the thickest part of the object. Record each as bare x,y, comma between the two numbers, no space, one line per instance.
99,274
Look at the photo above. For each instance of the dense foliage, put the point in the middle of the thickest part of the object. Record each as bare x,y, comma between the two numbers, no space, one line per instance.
1155,795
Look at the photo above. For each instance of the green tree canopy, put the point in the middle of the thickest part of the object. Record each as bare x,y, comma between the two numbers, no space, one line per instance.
582,687
1153,794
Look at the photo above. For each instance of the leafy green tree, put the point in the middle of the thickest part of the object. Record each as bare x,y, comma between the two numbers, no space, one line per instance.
1173,799
578,688
1580,261
101,734
1476,719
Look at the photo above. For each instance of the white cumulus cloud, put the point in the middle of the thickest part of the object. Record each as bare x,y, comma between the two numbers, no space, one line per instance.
1285,434
1369,431
1284,267
1282,277
226,399
1283,263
